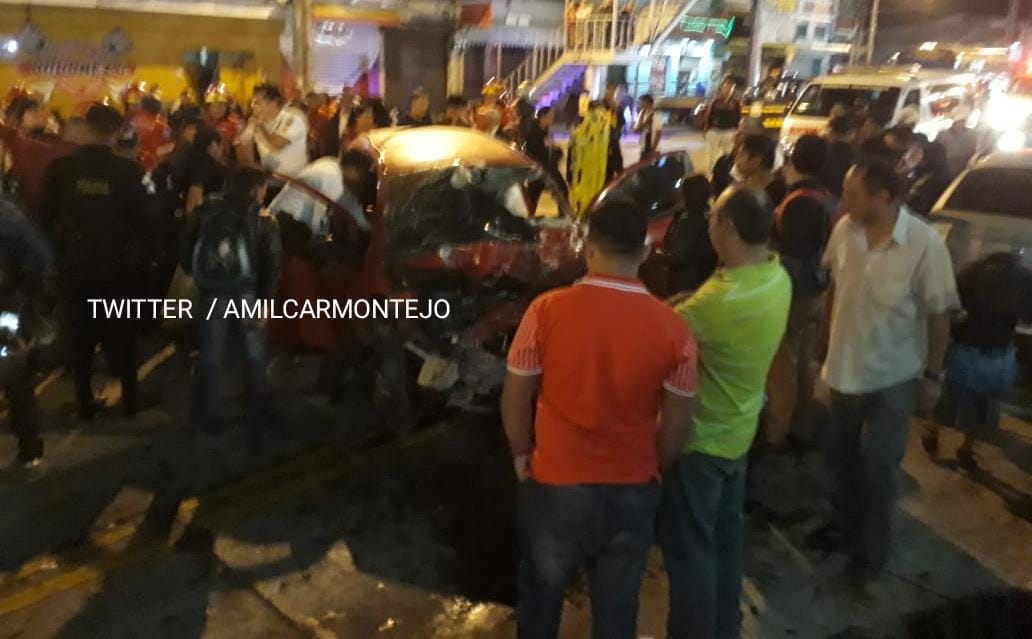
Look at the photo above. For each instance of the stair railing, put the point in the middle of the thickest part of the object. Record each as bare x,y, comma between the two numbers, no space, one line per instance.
540,58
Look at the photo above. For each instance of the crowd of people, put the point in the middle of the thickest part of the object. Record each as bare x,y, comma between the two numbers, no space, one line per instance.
642,427
618,428
134,200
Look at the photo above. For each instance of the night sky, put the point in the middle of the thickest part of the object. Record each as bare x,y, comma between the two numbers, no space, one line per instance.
910,10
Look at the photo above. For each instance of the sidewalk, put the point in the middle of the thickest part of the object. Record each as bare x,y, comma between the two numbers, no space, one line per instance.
418,543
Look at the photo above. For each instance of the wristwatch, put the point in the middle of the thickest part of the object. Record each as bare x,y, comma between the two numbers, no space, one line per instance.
934,376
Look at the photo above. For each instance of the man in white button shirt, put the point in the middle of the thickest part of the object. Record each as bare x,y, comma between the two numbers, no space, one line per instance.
893,289
280,132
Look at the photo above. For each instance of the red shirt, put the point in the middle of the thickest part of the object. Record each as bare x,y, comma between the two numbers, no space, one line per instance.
605,350
155,135
29,162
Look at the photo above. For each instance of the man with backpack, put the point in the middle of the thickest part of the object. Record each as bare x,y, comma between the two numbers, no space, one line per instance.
232,249
802,224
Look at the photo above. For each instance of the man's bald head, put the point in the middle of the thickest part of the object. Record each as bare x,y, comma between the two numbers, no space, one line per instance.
746,213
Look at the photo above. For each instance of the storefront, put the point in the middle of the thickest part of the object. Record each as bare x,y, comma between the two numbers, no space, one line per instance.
77,56
688,62
378,54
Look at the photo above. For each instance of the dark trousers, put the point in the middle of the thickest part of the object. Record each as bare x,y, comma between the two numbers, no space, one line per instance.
605,529
700,533
865,446
24,411
212,335
83,332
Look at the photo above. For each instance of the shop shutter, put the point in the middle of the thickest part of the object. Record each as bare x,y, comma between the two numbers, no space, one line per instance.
341,53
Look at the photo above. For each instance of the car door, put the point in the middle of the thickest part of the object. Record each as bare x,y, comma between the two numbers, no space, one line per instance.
986,210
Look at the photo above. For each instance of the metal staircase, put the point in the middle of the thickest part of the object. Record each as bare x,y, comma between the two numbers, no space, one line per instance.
552,68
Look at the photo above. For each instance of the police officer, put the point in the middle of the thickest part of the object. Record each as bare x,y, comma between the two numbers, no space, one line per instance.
26,263
97,209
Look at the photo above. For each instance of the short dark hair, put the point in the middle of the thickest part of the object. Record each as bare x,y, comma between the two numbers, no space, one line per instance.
879,175
150,104
357,159
618,226
543,111
751,213
269,92
189,121
761,146
842,125
456,102
647,99
809,154
103,120
242,183
697,191
904,134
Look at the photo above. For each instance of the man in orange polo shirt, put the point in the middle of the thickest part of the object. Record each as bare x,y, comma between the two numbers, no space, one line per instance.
590,457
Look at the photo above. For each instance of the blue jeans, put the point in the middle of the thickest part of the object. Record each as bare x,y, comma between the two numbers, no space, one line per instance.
700,532
211,341
865,446
607,529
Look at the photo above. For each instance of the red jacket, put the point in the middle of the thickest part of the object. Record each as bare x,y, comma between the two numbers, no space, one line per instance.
155,138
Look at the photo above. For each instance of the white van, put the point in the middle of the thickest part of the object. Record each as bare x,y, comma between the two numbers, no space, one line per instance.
934,94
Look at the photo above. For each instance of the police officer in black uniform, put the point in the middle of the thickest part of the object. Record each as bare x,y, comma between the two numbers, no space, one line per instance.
97,209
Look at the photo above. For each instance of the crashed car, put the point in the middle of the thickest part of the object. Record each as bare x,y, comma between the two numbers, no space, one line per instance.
450,222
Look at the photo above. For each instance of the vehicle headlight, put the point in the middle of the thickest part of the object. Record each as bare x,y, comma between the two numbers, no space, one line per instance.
1011,141
1002,114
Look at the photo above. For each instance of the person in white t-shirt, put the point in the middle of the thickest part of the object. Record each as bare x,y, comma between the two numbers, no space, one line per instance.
649,125
341,181
279,132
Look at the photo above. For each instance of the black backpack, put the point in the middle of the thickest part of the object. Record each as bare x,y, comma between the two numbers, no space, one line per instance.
224,255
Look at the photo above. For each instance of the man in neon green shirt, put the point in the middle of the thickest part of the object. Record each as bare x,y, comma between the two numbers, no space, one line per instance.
738,318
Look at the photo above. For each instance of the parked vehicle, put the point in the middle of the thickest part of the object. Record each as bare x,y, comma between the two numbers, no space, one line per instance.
935,95
771,105
987,210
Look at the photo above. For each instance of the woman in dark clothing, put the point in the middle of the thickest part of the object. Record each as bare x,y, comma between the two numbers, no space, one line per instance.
933,178
689,255
981,365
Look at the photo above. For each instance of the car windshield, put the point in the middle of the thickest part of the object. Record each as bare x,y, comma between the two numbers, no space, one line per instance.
457,205
1021,86
819,99
996,190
